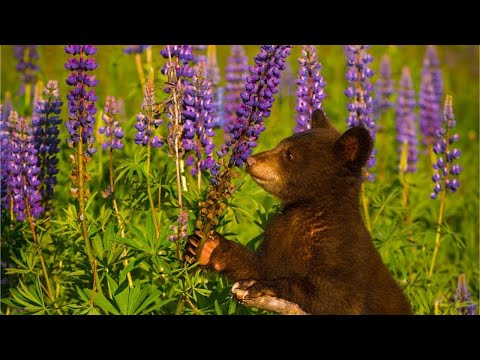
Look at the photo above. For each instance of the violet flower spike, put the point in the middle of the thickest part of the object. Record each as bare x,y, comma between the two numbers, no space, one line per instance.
45,121
359,91
236,74
145,119
384,86
22,165
199,123
81,103
257,99
406,120
112,129
135,49
310,88
27,55
5,148
446,168
430,99
462,295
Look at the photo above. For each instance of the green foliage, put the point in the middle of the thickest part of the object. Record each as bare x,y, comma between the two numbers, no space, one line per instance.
161,283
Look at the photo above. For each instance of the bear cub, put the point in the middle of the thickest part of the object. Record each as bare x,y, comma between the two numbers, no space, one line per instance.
316,251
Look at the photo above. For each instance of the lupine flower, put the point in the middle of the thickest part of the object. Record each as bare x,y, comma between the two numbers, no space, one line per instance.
179,231
446,170
286,86
462,295
135,49
24,170
384,87
112,128
199,52
213,75
310,84
179,70
359,90
146,119
236,74
45,119
257,101
5,148
430,99
81,103
198,125
406,121
27,55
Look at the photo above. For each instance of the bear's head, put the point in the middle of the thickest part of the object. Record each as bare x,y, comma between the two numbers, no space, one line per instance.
312,162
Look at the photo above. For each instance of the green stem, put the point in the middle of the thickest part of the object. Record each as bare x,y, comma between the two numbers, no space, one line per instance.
82,215
117,214
149,191
141,74
49,292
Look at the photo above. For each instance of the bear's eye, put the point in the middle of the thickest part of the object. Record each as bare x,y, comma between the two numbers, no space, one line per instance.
288,155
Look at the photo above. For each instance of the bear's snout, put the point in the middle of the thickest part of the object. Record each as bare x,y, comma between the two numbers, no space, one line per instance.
250,161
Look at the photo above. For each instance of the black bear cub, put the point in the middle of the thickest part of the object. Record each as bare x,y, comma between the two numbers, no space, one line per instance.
317,251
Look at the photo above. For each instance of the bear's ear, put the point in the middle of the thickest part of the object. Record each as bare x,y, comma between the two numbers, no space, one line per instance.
354,147
320,120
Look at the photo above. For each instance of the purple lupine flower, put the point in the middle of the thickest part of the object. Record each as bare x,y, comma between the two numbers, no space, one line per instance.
462,295
22,164
199,52
286,86
430,100
27,55
359,90
45,121
112,128
213,75
198,126
446,170
5,150
179,231
406,121
145,119
310,87
257,101
181,57
135,49
236,74
384,86
81,103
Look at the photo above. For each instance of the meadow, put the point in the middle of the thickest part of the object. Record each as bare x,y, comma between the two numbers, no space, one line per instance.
108,235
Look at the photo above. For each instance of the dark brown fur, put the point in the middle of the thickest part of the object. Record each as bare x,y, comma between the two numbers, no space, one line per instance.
317,251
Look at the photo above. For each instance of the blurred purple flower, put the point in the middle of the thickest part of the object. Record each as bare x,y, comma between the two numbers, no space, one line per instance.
257,101
359,91
27,55
199,52
462,295
22,165
81,103
430,99
406,120
446,170
45,121
198,126
112,128
236,74
384,86
179,231
135,49
310,87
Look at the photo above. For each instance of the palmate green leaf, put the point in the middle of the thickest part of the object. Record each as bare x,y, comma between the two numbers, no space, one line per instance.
102,302
97,246
112,284
133,243
151,237
30,299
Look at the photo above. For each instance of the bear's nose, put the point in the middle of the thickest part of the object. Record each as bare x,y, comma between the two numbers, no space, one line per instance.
250,161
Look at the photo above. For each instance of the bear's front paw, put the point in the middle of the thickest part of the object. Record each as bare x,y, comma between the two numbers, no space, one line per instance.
249,289
192,246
